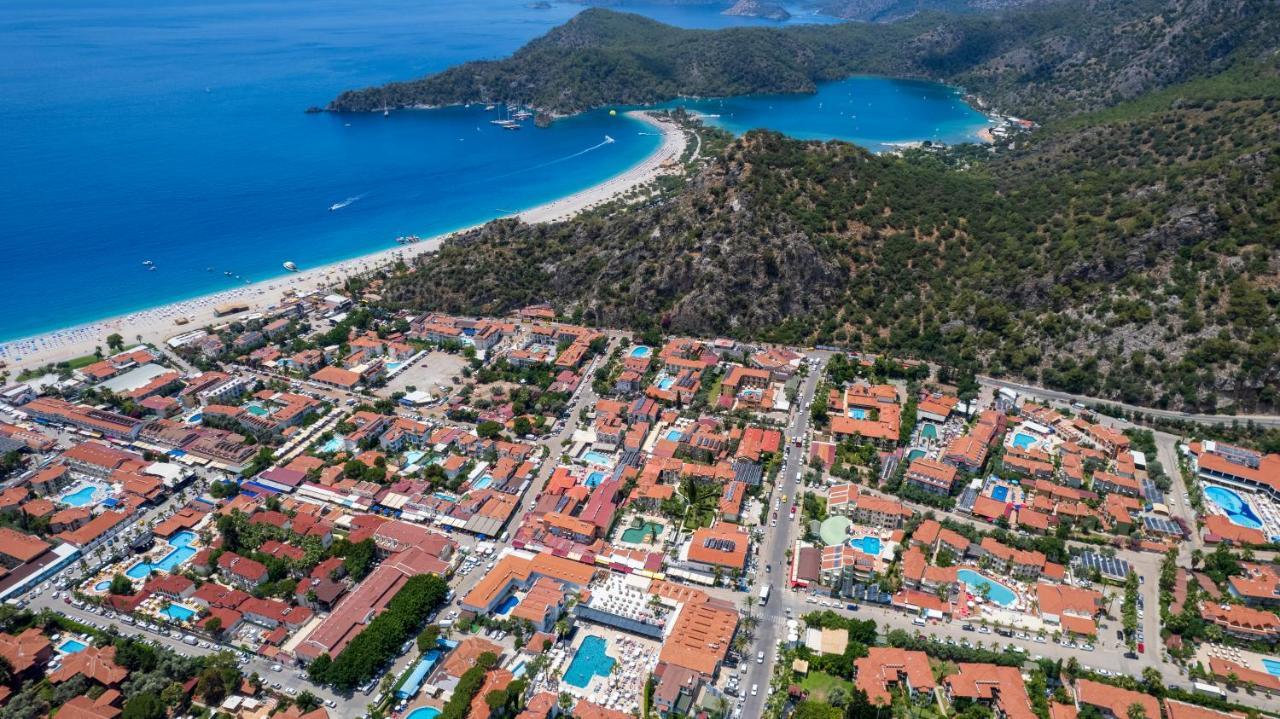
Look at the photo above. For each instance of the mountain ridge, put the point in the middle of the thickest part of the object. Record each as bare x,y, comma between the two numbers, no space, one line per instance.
1044,60
1125,253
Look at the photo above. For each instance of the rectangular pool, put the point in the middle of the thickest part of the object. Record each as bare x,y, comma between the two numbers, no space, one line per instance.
71,646
594,457
1000,493
178,613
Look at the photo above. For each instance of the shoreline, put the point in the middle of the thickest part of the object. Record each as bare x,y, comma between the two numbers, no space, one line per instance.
157,324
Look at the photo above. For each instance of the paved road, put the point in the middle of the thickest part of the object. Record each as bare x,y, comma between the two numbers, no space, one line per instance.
288,679
773,552
1265,420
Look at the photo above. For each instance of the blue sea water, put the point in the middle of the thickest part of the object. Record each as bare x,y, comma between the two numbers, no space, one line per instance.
174,132
878,113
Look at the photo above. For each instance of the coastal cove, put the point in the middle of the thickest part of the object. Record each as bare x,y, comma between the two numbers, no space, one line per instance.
214,175
879,113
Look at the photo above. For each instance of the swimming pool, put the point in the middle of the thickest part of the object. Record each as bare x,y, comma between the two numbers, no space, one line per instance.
999,593
594,457
589,662
420,672
413,457
866,545
636,535
335,444
1022,440
999,492
257,410
483,482
594,479
80,497
1272,666
424,713
1238,511
675,435
102,586
393,366
177,612
666,382
507,605
640,351
181,552
857,413
71,646
915,454
929,431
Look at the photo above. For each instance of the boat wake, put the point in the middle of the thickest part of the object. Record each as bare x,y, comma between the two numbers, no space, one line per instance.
606,141
339,205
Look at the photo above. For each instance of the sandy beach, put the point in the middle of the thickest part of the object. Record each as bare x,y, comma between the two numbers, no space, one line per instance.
157,324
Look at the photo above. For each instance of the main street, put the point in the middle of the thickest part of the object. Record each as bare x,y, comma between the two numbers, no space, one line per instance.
1264,420
773,549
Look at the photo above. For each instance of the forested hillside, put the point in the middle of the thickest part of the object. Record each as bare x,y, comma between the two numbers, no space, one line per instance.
1131,253
1043,61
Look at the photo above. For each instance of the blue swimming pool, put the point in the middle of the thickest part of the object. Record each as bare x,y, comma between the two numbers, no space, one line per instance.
999,593
82,496
177,612
866,545
507,605
594,457
181,552
1000,493
420,672
335,444
675,435
1238,511
857,413
1272,666
393,366
589,662
666,382
640,351
102,586
915,454
482,482
594,479
71,646
1021,440
256,409
424,713
929,431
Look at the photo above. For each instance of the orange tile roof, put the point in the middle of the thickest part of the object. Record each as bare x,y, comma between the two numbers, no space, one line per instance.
22,547
1114,699
701,636
1002,686
95,664
884,667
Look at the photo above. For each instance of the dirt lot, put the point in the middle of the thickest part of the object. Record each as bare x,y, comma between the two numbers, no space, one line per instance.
427,374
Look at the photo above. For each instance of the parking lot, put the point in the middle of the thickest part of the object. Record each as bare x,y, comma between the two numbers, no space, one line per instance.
427,374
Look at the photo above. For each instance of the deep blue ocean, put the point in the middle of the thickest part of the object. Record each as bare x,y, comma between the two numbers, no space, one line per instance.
174,132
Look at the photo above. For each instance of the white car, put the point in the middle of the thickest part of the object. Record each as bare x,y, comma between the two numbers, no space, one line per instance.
755,689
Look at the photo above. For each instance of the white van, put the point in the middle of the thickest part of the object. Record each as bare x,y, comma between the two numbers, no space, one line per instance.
760,657
755,689
919,621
